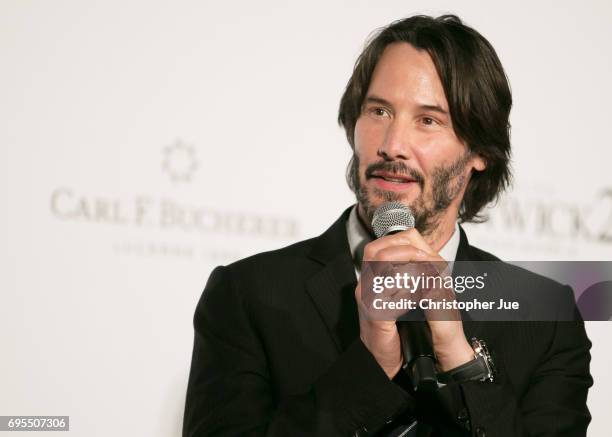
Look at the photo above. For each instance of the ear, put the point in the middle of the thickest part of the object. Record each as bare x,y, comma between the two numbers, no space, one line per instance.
478,163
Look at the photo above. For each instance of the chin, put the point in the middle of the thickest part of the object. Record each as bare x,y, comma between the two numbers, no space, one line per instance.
381,197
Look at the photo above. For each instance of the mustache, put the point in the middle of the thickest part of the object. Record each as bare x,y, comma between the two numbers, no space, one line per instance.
397,167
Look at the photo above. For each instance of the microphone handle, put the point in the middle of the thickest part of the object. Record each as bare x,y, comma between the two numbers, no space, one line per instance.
417,349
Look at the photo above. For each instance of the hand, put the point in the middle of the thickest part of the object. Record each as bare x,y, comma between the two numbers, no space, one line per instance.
381,336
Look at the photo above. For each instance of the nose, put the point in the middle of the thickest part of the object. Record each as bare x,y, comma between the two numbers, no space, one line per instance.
397,144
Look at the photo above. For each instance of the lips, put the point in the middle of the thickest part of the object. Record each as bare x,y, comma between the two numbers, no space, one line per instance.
391,181
392,177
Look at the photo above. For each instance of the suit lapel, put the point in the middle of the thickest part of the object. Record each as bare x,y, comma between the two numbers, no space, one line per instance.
467,267
332,289
464,251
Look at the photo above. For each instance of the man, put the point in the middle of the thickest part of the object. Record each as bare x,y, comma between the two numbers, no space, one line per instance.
282,343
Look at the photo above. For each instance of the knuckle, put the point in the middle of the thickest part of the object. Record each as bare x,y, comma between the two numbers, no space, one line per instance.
384,256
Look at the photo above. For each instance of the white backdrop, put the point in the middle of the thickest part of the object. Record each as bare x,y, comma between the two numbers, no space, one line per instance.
145,142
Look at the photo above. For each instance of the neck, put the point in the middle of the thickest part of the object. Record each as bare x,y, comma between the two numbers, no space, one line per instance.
442,233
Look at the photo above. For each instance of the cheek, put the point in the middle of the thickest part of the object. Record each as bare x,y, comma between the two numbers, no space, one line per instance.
366,138
423,159
358,136
441,152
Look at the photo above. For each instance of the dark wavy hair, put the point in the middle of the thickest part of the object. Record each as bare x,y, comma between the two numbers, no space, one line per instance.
476,89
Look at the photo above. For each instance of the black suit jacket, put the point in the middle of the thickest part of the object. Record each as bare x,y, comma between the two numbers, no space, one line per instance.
277,353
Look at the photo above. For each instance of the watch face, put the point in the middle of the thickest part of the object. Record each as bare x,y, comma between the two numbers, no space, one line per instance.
482,353
477,345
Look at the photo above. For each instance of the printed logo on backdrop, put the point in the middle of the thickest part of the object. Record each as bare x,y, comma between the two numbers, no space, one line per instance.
180,162
550,225
149,224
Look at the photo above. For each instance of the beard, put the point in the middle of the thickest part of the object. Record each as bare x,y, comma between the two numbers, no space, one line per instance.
447,182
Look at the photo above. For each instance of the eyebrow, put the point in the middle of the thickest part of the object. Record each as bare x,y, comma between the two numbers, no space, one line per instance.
375,99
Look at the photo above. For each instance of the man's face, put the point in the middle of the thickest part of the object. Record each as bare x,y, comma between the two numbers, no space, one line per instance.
405,147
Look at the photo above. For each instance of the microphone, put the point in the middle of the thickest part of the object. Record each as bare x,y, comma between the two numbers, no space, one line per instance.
415,336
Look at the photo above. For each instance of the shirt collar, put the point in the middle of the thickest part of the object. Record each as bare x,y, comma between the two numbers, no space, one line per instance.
358,237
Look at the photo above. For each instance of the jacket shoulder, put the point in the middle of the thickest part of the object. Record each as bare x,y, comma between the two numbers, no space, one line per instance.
280,256
481,255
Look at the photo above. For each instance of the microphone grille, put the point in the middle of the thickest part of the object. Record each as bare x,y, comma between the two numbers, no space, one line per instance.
392,217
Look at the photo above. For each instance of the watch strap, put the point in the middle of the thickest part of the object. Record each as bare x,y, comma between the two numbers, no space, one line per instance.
474,370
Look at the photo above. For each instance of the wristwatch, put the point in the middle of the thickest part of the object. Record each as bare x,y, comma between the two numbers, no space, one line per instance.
481,368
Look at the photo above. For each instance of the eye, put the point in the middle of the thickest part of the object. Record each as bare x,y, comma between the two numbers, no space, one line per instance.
379,112
428,121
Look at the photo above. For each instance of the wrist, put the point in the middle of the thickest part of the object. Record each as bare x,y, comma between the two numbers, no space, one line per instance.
393,370
382,340
481,368
453,355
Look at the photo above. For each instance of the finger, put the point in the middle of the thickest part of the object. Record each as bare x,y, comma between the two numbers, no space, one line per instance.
391,258
416,239
402,253
373,247
407,237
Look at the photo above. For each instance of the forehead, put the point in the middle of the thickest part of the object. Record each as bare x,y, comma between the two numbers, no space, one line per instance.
405,75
